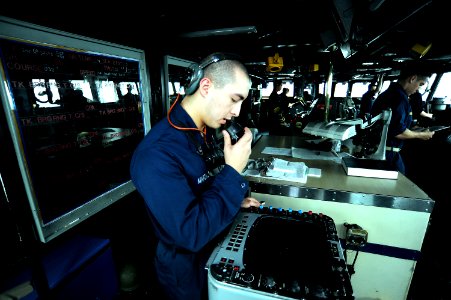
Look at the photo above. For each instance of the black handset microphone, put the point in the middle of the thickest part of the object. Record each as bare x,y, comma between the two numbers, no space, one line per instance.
214,154
235,130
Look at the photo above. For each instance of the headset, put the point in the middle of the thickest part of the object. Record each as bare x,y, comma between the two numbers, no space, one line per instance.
197,69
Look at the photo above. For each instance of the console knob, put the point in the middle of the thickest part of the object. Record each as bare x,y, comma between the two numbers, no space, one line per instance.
269,282
247,277
294,287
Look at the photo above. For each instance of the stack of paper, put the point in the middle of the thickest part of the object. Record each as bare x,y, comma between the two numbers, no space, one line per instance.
286,170
280,169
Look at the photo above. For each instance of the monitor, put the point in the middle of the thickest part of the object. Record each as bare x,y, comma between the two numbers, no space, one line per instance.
76,109
272,237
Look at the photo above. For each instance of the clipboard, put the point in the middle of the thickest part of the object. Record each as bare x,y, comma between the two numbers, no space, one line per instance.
438,128
431,128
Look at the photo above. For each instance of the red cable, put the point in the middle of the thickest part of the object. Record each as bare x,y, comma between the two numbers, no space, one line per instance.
203,132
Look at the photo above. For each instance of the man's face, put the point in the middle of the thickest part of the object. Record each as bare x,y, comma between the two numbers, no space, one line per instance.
225,103
415,83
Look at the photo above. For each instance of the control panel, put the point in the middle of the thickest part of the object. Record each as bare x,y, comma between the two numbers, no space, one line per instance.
283,253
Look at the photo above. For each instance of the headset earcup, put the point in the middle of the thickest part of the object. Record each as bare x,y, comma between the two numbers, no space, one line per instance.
196,76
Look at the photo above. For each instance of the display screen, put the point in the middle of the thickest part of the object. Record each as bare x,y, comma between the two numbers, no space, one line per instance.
77,117
290,248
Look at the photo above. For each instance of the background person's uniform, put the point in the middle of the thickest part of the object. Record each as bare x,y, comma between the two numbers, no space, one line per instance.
416,102
274,112
366,103
188,208
418,106
397,100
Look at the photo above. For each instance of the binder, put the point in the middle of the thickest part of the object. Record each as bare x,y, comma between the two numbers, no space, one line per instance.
364,167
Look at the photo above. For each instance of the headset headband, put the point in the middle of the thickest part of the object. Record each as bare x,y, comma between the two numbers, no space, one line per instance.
198,69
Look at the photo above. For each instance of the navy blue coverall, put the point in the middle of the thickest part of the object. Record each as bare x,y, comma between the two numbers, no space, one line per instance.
397,100
188,208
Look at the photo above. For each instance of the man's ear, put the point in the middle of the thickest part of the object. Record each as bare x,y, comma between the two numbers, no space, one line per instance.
204,85
413,78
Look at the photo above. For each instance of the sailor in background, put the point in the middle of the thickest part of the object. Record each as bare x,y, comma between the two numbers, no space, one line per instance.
368,99
396,98
419,115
